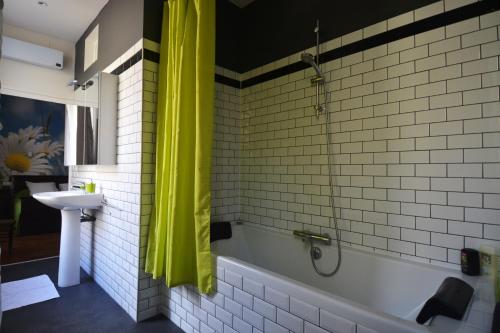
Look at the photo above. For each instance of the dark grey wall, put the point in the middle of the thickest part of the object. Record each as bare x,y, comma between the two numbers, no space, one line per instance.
262,32
228,28
120,27
228,34
273,29
267,30
153,12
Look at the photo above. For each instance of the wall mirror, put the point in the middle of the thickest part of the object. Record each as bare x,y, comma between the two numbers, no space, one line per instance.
90,135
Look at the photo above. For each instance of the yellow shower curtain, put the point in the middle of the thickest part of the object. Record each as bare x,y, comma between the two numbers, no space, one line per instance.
179,235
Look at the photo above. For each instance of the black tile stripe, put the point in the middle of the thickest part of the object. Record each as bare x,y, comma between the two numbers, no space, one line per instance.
227,81
152,56
430,23
288,69
128,63
437,21
155,57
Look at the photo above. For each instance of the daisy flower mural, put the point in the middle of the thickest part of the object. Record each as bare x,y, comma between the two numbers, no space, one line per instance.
26,152
31,138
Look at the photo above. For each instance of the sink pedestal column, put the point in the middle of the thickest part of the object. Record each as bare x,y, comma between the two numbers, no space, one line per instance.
69,252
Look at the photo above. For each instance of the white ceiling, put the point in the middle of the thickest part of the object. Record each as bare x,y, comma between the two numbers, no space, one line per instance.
64,19
241,3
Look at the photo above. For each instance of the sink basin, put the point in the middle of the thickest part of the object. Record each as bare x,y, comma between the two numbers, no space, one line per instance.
69,200
70,203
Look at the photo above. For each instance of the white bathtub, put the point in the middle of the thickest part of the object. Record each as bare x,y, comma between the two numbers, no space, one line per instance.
370,293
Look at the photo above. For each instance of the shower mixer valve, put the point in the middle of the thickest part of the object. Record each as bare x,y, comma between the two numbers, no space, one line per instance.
316,252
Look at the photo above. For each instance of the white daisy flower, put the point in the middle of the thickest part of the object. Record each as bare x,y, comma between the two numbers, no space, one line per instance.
20,153
50,149
30,133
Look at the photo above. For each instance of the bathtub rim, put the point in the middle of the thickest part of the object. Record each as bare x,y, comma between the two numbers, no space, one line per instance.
323,300
335,304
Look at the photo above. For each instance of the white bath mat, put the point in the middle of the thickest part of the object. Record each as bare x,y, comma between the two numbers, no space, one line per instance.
20,293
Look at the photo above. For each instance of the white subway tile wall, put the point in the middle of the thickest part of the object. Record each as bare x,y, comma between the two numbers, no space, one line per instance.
416,159
277,306
416,142
238,311
415,129
113,249
110,245
226,153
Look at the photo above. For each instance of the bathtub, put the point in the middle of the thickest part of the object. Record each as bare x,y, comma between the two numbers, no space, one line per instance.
269,275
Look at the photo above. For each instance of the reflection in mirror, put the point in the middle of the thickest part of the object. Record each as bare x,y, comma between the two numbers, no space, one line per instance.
91,125
81,135
91,91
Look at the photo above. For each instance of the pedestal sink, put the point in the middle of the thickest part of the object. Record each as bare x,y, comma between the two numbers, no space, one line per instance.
70,203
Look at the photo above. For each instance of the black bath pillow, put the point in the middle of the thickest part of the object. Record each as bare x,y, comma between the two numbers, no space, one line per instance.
220,230
450,300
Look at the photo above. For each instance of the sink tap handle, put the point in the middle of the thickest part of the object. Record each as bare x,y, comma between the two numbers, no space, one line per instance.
78,185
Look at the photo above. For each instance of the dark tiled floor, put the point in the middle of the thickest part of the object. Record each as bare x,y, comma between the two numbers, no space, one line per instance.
83,308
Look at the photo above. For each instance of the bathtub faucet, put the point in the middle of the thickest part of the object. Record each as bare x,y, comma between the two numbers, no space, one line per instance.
310,236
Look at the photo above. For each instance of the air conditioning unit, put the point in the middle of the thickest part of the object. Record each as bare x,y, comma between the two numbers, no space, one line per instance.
31,53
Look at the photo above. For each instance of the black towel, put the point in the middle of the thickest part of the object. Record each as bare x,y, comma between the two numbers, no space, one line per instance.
220,230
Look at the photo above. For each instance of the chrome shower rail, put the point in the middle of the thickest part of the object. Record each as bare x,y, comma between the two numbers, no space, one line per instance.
307,235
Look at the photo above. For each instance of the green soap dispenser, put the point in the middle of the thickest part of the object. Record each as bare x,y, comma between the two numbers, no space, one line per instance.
90,187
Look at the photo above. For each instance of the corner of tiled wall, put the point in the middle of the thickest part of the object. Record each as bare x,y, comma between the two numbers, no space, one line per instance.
226,149
149,288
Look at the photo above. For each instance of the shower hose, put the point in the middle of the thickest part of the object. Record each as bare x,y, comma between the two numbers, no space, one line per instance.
332,192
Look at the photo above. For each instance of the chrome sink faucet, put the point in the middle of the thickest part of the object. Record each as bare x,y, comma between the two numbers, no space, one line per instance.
78,186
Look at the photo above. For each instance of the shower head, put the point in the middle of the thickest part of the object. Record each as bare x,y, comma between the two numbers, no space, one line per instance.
76,85
308,58
73,83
